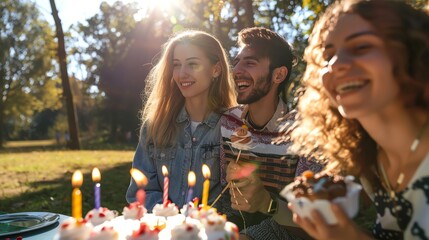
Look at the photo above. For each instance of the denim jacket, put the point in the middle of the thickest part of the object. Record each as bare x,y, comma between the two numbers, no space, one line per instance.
189,152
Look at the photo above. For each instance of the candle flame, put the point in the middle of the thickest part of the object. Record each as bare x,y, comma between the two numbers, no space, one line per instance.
96,175
191,179
139,177
206,171
77,179
164,171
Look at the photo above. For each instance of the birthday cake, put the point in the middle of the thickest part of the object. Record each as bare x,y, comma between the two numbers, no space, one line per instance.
166,222
316,191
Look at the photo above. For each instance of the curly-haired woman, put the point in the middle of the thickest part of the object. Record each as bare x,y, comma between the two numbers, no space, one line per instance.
367,82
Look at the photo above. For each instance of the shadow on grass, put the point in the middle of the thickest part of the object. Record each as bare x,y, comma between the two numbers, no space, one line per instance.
55,195
84,146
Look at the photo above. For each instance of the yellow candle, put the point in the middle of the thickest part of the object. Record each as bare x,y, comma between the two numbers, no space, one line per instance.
77,180
196,200
206,186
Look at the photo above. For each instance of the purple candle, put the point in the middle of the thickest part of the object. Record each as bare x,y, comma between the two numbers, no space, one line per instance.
96,177
191,184
97,195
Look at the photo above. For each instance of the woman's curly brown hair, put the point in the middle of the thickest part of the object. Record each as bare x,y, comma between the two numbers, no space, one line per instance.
321,132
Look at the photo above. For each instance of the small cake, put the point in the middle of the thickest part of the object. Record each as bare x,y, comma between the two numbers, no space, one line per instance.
134,211
317,191
99,216
165,211
72,229
216,227
241,135
319,186
188,230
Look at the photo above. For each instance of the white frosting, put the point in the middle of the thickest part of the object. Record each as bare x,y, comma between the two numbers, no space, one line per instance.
134,211
170,210
99,216
230,230
191,230
189,210
70,229
143,233
123,226
214,222
105,233
154,221
202,213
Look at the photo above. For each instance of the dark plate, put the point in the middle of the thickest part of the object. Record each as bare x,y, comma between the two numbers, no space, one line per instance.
15,223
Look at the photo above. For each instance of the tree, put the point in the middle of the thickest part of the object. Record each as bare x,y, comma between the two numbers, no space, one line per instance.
118,57
27,83
68,95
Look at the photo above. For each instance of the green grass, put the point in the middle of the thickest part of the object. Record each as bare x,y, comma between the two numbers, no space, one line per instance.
40,180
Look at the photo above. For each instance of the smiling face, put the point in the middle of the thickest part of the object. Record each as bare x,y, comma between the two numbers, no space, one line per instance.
251,75
358,73
193,72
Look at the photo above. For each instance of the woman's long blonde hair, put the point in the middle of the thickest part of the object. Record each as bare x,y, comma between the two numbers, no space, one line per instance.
322,132
165,100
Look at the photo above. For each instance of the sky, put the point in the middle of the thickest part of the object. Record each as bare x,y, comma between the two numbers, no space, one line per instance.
73,11
70,11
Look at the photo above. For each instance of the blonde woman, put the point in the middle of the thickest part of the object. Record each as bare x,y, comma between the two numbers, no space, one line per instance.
189,89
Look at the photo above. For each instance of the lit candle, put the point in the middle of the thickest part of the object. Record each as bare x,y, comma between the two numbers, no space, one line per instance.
206,186
166,181
191,184
141,182
96,177
77,180
195,200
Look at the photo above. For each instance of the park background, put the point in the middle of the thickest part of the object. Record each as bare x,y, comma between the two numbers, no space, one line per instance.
70,94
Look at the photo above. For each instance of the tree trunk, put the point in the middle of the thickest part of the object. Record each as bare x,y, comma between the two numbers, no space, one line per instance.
247,19
67,93
249,14
1,123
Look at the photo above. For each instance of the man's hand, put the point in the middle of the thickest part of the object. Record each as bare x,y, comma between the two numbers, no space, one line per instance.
247,190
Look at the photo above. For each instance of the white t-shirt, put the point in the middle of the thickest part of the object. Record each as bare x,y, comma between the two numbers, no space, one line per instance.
194,126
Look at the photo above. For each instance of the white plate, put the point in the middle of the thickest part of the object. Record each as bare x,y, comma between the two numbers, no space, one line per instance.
15,223
236,147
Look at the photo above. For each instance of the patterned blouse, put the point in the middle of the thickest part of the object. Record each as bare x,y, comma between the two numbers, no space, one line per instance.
407,215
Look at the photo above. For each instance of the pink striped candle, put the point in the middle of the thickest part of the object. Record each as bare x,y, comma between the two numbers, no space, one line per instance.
166,181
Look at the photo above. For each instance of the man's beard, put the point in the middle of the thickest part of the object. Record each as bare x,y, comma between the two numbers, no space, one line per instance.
261,88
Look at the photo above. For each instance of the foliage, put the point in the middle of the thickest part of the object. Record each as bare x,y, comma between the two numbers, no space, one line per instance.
105,35
27,85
